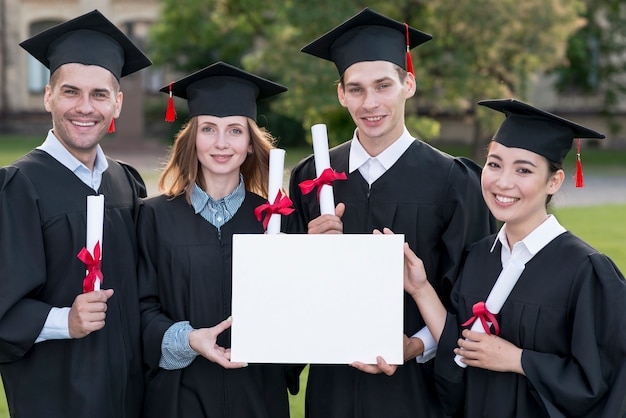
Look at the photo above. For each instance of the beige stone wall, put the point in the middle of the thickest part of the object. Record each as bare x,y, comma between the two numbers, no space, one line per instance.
19,15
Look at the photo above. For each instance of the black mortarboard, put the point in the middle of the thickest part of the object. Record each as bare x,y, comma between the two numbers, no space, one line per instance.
222,90
536,130
90,39
367,36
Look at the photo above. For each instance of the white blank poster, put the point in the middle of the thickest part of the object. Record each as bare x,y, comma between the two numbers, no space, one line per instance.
317,299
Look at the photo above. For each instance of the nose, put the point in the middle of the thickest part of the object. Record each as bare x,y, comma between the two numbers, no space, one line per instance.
505,179
371,100
84,105
221,141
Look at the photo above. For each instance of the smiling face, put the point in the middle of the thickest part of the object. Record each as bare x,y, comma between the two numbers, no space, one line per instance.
515,184
82,100
222,145
375,96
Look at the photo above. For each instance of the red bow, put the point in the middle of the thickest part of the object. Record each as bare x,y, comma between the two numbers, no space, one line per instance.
282,205
481,312
93,264
325,179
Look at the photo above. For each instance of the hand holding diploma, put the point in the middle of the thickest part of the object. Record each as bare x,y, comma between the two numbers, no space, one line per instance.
88,313
484,312
478,349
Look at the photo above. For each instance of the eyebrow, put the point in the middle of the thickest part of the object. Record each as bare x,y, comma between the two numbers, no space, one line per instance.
378,81
97,90
497,157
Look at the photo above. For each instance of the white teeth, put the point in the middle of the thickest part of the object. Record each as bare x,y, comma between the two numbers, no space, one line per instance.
83,123
375,119
504,199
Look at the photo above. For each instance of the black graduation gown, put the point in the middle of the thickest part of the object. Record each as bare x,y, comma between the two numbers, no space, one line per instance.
567,313
42,229
185,275
433,199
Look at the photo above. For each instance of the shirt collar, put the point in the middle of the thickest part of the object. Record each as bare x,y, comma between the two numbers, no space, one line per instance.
201,199
387,158
536,240
57,150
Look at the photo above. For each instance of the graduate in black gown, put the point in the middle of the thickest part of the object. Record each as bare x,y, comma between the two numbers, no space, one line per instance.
216,177
65,352
395,181
557,347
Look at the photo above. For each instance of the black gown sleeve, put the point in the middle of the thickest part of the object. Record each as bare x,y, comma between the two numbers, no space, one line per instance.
592,382
469,220
153,322
22,266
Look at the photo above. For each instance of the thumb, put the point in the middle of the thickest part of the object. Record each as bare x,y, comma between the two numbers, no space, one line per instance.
340,209
108,293
224,325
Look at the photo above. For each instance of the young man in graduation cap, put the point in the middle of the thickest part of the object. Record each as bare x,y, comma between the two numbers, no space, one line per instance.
66,350
393,181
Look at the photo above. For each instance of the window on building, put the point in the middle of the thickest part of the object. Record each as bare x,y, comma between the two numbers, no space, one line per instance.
38,74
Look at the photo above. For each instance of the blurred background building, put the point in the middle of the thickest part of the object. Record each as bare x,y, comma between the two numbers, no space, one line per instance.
23,79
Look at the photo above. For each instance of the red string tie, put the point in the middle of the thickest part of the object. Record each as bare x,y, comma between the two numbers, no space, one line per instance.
327,178
481,312
94,267
282,205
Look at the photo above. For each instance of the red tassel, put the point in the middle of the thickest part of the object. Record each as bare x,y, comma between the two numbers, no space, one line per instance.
112,126
409,60
580,181
170,114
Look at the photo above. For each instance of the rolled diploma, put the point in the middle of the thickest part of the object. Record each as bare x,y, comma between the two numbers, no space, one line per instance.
322,162
498,295
95,222
275,184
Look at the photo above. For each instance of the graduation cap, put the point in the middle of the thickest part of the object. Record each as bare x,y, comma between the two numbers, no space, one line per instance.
90,39
368,36
221,90
539,131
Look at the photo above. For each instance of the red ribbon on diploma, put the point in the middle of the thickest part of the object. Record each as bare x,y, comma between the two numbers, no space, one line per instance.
93,264
282,205
481,312
325,179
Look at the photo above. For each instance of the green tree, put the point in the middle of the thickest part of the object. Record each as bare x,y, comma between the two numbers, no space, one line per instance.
595,57
481,49
487,49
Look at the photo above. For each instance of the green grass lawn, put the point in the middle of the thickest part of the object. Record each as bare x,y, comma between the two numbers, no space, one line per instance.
603,227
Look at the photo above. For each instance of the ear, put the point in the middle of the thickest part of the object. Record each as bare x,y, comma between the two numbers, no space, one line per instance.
341,95
411,84
556,181
119,99
46,98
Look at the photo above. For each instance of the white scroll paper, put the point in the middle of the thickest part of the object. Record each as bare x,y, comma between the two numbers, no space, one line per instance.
95,222
499,293
322,162
275,184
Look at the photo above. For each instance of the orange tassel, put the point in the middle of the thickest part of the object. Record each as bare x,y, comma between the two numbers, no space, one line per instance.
580,181
112,126
409,60
170,114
